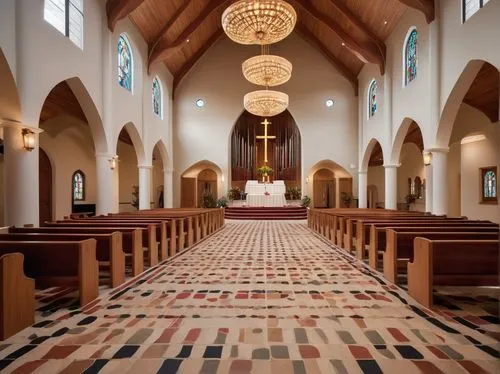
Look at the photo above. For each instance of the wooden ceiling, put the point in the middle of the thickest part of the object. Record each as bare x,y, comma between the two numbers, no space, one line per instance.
349,33
61,101
484,92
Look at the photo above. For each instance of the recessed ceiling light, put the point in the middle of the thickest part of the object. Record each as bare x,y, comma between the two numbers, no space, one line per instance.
187,40
200,103
329,103
385,22
343,44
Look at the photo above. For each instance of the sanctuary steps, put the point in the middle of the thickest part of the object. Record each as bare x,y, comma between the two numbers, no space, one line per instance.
268,213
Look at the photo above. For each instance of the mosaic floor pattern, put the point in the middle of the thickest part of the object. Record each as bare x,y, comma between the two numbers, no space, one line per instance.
260,297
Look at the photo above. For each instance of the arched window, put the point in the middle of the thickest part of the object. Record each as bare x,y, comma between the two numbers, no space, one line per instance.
489,184
125,63
410,56
157,98
78,186
67,17
372,99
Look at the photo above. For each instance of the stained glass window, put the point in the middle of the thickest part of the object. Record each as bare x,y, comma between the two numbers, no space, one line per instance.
489,183
157,98
67,17
78,186
410,55
372,99
124,63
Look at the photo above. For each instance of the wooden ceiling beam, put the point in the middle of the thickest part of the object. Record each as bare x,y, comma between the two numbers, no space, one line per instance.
192,61
346,12
169,24
309,37
369,53
119,9
425,6
163,48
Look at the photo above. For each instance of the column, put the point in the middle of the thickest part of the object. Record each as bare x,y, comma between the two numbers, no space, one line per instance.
145,186
362,189
391,186
428,188
21,184
107,195
168,186
439,181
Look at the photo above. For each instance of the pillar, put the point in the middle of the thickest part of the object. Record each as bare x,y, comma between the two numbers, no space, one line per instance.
21,180
145,186
168,186
428,188
439,181
107,196
391,186
362,189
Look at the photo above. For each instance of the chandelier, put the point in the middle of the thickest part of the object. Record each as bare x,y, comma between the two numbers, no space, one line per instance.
267,70
265,103
258,21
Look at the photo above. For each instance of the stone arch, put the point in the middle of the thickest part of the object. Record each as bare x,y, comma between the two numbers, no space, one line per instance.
454,101
162,149
10,104
136,142
328,179
400,138
368,152
190,188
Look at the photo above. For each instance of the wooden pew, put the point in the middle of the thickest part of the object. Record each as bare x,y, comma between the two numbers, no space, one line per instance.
451,263
66,264
131,240
378,233
399,249
108,249
17,296
149,240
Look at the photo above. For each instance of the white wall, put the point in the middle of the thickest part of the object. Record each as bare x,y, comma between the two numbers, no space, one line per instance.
203,134
68,144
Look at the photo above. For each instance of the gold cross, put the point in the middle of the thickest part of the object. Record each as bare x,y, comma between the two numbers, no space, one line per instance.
265,137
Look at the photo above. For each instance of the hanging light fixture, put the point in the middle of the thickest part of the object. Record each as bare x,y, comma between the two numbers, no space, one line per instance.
265,103
259,21
267,70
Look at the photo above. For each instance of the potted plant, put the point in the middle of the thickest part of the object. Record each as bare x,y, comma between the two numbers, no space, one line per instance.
346,198
265,171
306,201
135,197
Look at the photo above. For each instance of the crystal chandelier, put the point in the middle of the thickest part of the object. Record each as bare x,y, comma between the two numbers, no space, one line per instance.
267,70
265,103
258,21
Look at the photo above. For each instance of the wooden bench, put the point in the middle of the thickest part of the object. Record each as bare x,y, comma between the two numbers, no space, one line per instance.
60,263
378,233
451,263
399,249
131,240
109,250
17,296
149,241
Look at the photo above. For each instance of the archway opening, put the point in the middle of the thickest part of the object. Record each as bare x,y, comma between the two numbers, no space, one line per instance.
128,171
247,149
331,185
68,141
375,176
157,187
200,184
473,144
45,187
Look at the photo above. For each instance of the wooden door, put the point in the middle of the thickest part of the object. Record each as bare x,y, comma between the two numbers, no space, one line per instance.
45,187
188,192
345,185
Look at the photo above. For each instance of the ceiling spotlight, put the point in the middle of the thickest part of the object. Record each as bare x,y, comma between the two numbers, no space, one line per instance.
200,103
329,103
187,40
343,44
385,22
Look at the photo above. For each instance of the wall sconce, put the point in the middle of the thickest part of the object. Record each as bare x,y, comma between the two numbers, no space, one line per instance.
307,180
222,178
112,162
28,140
427,158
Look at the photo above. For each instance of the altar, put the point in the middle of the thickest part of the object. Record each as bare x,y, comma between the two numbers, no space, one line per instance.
265,194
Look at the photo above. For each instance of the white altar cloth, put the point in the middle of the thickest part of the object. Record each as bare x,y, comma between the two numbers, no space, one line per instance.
272,200
255,188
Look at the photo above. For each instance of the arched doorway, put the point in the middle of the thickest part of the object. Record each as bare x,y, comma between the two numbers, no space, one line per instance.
199,180
373,162
324,189
247,150
45,187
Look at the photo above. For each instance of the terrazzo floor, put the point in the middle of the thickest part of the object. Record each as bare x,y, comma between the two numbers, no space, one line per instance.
261,297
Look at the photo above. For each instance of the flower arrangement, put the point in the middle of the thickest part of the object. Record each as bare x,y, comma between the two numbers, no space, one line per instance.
265,170
266,193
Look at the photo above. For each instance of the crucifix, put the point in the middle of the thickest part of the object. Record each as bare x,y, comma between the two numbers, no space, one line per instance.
265,137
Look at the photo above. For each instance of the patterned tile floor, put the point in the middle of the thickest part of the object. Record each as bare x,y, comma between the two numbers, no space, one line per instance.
261,297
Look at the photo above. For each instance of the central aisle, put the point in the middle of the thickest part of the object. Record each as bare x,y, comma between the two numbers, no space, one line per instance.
257,297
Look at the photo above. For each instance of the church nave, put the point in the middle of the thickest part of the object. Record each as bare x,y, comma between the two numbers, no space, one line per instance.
259,297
